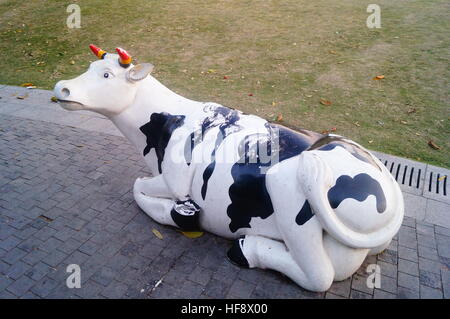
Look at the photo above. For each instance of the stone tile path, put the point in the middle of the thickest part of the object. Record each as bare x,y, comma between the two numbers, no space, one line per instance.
65,198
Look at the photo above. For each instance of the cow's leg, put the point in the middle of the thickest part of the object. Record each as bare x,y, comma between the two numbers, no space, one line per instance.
157,208
152,186
310,268
155,199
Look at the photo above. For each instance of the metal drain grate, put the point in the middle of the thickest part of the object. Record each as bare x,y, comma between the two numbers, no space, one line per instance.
437,184
409,174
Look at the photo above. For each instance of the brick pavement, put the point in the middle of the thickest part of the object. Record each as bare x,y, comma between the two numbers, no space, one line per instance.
65,198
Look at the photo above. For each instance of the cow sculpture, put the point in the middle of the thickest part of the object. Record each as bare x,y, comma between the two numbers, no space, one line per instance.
309,205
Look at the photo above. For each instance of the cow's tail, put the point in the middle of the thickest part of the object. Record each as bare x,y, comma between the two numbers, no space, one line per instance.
316,178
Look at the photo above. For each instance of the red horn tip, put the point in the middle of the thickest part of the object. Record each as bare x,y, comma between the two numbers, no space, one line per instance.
94,49
97,51
125,58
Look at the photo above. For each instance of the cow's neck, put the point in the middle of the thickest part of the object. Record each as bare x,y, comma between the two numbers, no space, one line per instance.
151,97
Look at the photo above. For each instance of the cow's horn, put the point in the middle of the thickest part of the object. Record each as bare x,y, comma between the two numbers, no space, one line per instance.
125,58
97,51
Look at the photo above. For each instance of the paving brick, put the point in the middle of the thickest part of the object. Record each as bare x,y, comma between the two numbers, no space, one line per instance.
430,293
408,281
20,286
14,255
381,294
405,293
200,275
51,244
388,284
89,290
9,243
54,258
4,282
115,290
445,273
430,279
430,265
17,270
408,267
241,289
388,269
428,253
190,290
216,289
38,271
389,256
104,276
341,288
44,287
360,283
408,254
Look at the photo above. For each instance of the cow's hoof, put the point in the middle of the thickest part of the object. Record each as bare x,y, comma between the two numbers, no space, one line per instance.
186,214
235,254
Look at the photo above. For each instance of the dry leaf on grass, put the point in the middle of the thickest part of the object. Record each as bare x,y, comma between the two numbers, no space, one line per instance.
412,110
433,145
279,118
26,84
325,102
157,233
378,77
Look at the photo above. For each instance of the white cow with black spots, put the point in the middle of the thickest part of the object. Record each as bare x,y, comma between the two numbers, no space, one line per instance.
313,212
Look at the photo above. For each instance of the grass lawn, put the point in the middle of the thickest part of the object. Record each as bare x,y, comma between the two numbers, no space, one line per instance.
271,58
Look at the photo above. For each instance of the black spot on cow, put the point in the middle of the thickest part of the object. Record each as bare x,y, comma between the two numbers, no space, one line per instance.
248,193
158,132
305,214
359,188
221,116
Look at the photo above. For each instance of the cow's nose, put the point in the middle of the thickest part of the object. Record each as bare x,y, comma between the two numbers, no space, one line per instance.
61,91
65,92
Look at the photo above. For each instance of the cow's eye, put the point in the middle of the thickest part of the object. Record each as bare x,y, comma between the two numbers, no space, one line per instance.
106,75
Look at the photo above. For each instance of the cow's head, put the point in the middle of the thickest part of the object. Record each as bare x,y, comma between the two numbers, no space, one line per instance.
107,87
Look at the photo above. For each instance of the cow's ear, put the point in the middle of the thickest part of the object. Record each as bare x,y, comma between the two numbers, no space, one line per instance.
139,72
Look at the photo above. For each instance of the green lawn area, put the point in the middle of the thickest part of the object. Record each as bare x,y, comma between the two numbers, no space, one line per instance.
279,57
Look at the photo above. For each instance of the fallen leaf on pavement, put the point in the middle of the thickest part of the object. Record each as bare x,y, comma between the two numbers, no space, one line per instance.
442,178
192,234
433,145
157,233
54,99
